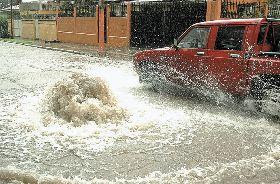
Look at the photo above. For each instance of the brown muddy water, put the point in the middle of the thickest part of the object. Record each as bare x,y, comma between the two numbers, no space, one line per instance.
67,118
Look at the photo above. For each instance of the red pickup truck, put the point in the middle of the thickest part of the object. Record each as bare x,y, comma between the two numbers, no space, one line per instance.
239,56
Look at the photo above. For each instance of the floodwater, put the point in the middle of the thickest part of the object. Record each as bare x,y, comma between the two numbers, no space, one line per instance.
67,118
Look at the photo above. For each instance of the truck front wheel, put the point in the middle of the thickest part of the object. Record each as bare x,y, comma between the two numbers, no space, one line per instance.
270,102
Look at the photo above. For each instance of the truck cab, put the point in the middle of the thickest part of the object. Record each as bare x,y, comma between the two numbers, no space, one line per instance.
238,56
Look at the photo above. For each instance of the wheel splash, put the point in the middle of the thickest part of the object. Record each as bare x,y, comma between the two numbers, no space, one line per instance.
81,98
271,102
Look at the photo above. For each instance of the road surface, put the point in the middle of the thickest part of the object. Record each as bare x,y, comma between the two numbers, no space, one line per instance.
157,137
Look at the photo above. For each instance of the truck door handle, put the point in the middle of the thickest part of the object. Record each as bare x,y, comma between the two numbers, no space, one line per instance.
235,56
200,53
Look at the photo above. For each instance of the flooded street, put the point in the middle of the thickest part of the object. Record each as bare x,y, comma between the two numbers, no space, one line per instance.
121,131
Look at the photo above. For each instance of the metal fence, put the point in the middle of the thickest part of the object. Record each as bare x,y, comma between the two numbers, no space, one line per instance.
84,10
156,24
233,9
274,10
118,10
66,10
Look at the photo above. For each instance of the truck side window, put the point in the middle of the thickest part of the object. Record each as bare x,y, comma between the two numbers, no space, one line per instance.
230,38
273,37
196,38
277,38
261,34
269,37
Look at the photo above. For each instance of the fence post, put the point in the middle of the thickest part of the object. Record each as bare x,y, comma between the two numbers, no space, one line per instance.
101,28
12,27
128,23
218,9
56,18
214,9
36,28
209,10
75,24
266,11
107,20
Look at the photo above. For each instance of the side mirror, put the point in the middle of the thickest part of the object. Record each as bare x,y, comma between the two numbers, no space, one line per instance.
175,44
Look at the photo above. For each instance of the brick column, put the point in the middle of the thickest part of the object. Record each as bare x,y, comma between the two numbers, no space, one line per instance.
128,31
209,10
266,11
56,18
214,9
218,10
75,19
101,35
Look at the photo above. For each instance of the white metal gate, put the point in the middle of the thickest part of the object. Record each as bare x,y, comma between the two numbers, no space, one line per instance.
17,28
37,28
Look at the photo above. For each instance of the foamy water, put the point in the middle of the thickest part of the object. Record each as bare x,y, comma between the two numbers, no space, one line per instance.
74,119
80,99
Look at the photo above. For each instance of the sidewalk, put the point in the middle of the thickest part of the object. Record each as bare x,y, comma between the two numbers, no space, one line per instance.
112,53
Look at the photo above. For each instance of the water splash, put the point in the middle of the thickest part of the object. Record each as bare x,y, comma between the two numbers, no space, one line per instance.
80,99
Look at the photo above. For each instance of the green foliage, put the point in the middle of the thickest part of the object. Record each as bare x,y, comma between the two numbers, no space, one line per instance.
3,28
67,9
273,1
273,8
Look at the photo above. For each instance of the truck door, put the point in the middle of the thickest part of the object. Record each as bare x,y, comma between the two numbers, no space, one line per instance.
192,49
227,66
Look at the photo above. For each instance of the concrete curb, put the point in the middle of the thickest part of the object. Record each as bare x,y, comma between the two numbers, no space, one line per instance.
46,48
69,51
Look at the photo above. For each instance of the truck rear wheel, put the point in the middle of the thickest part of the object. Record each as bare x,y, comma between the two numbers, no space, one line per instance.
270,101
266,96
